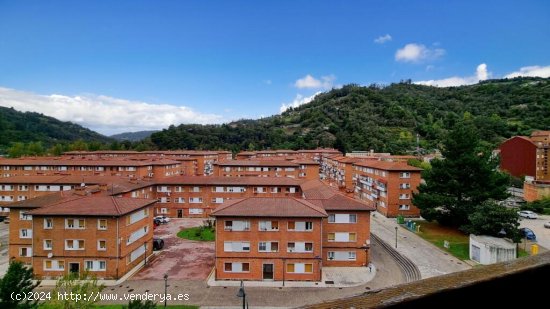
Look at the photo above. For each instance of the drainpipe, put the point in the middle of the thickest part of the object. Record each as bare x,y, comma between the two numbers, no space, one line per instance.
117,247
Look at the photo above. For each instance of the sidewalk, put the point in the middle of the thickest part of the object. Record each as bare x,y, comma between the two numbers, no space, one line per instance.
342,277
429,259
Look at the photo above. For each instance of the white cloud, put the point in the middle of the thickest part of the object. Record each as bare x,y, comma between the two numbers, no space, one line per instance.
481,74
309,81
298,100
413,52
531,71
105,114
383,39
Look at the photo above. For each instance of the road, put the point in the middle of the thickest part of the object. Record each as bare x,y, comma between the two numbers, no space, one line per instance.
429,259
537,225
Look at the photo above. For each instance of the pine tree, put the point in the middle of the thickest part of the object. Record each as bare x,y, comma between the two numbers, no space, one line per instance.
463,180
18,279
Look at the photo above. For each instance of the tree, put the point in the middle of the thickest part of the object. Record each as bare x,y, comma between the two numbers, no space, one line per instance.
490,219
77,285
460,182
17,279
139,304
537,206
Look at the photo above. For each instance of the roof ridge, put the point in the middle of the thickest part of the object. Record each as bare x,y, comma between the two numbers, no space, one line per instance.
115,202
301,201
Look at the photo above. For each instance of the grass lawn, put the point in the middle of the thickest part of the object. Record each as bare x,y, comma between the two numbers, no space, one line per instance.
200,233
158,306
436,234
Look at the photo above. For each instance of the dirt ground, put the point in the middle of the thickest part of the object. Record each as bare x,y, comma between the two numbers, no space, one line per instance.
180,258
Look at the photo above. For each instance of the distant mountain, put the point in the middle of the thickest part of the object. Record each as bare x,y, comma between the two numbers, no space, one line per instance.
383,118
28,127
132,136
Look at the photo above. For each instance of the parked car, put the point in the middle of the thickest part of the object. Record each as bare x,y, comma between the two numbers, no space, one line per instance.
528,214
162,219
158,244
547,225
528,234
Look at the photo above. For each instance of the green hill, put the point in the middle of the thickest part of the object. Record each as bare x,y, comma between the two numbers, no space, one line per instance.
386,119
29,127
133,136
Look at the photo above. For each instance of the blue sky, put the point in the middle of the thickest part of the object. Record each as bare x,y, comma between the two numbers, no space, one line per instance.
131,65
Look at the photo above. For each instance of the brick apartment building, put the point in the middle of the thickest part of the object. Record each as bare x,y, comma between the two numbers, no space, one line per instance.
338,171
291,238
312,154
268,239
189,196
122,167
195,162
388,186
528,156
81,230
301,169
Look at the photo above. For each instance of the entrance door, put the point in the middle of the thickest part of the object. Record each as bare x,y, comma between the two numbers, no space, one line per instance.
74,268
268,272
180,213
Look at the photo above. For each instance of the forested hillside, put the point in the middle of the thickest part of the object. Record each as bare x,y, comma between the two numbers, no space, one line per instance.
386,119
19,127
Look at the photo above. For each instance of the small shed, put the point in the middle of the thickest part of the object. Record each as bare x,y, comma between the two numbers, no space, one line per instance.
489,250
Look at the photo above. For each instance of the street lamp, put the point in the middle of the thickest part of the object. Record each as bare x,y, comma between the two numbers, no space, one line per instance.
396,237
242,294
165,288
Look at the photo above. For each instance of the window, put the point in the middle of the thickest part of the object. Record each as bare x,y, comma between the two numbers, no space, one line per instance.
25,252
23,188
268,226
102,224
217,200
137,234
342,237
101,245
300,247
164,200
405,196
404,207
196,189
163,210
48,244
236,267
25,233
237,225
300,226
268,246
299,268
95,265
179,200
195,200
23,216
136,254
75,224
236,246
74,244
275,190
405,186
54,265
196,211
404,175
218,189
342,218
341,255
179,189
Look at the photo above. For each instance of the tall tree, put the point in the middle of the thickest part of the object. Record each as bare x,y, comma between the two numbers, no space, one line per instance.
18,279
493,219
463,180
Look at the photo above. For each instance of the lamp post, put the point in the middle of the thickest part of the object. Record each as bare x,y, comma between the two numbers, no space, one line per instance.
396,237
242,294
165,288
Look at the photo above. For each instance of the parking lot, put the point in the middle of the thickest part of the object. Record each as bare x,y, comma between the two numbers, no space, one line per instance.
537,225
180,258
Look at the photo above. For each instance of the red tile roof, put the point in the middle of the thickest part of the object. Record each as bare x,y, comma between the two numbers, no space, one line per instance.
388,165
92,206
269,207
329,198
221,180
62,161
258,163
